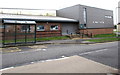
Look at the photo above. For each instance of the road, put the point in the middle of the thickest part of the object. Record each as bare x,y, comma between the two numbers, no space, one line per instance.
105,53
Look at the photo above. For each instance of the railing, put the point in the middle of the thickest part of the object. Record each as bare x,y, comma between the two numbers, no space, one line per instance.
87,33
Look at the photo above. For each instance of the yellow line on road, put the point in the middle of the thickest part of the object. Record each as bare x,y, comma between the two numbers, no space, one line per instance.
11,50
102,43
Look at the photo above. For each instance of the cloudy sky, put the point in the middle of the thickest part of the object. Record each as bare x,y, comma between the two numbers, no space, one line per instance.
58,4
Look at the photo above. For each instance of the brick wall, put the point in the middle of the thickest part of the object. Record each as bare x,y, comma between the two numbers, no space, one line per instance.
48,32
97,31
10,31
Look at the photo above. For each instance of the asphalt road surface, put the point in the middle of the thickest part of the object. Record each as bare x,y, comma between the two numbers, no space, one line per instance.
105,53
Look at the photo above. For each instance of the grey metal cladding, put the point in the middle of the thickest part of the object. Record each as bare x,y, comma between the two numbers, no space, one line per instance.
95,16
69,12
108,21
68,28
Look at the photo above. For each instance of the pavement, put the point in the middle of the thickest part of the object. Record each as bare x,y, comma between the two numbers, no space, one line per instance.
73,64
41,45
21,48
67,41
34,46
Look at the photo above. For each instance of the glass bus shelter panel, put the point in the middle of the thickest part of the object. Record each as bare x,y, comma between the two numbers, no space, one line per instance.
31,33
20,34
1,33
17,34
9,34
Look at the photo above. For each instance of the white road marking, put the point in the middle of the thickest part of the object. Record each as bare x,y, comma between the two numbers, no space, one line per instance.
21,52
57,59
43,49
63,56
37,49
6,68
31,51
32,62
93,51
104,43
52,60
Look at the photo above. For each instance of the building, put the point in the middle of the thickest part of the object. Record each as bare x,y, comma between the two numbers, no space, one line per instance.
16,27
71,20
91,19
118,26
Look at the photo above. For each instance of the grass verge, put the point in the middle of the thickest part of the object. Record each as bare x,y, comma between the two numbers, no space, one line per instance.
37,39
104,35
104,40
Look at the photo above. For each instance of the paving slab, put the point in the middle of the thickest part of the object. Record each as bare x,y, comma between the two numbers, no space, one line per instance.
73,64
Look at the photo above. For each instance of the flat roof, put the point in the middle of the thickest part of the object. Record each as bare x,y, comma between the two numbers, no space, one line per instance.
37,18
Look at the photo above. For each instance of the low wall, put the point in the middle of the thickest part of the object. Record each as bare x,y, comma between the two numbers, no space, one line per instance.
48,33
97,31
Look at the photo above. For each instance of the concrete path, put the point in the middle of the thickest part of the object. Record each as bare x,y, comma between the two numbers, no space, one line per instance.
74,64
33,47
68,41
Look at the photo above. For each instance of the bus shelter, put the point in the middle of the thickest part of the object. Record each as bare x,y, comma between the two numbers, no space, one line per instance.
18,32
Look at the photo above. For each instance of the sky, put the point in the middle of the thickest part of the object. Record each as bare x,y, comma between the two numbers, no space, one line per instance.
59,4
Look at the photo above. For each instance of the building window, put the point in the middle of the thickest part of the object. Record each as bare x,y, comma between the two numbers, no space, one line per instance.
108,16
102,22
54,27
40,28
85,16
1,26
96,21
26,28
